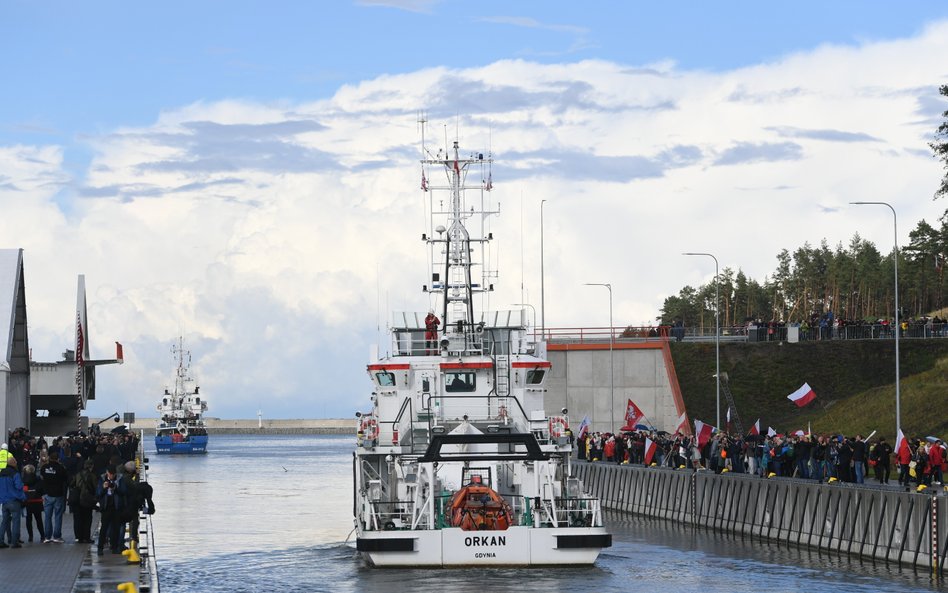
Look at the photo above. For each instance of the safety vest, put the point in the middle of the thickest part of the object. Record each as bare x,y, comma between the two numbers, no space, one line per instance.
4,455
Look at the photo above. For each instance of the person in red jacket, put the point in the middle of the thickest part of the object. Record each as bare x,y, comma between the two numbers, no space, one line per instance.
936,461
903,456
431,332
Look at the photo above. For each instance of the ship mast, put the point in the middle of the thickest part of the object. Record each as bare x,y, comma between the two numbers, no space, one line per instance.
455,243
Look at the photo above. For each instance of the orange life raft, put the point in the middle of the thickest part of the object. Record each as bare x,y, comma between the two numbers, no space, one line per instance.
478,508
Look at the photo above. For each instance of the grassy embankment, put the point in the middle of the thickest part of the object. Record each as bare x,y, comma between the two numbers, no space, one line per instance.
853,381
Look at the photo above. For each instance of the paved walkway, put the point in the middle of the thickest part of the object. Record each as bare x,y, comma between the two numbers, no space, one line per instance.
61,568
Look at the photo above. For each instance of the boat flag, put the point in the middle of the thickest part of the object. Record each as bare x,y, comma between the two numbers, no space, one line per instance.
490,183
457,168
632,416
802,396
583,427
771,432
650,447
703,432
901,443
424,182
755,429
727,424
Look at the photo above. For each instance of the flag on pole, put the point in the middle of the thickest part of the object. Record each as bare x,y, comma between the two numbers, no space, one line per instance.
771,432
583,427
682,423
900,444
755,429
650,447
799,433
727,424
632,416
424,182
802,396
703,432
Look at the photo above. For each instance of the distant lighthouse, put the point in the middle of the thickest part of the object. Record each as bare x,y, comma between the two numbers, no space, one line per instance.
260,419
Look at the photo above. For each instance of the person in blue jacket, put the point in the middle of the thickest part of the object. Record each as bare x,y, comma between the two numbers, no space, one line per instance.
12,498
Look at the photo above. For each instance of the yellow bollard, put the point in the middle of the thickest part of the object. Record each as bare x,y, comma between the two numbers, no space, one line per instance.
131,554
127,587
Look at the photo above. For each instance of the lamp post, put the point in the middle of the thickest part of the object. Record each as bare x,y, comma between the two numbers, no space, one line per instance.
898,327
534,316
542,293
717,334
612,369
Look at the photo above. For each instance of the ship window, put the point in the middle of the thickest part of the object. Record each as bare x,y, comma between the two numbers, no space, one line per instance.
535,377
459,382
385,379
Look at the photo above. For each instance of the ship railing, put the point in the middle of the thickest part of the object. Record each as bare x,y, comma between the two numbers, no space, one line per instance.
558,512
571,512
390,515
489,332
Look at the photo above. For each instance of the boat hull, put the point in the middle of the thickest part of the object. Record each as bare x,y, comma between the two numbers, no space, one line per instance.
194,445
453,547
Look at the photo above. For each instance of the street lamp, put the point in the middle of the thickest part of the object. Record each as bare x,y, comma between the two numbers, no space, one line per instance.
612,368
534,316
898,327
542,294
717,333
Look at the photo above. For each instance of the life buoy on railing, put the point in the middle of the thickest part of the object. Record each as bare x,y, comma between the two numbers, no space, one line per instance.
557,426
182,429
369,428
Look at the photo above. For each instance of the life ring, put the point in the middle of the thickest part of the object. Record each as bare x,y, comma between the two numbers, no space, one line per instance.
557,426
182,429
369,429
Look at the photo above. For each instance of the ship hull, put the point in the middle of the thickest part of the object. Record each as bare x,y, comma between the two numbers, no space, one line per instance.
452,547
194,445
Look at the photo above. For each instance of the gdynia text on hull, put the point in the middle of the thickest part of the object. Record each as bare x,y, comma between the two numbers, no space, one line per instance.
457,463
181,426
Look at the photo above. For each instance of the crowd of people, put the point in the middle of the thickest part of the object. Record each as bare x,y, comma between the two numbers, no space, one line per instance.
41,477
811,457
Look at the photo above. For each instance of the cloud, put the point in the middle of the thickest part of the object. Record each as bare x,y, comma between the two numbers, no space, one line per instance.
531,23
279,237
828,135
760,152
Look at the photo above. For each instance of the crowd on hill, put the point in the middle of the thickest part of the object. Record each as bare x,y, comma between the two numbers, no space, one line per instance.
41,477
809,457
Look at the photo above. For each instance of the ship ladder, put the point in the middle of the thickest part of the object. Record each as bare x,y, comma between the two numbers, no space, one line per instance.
502,375
735,417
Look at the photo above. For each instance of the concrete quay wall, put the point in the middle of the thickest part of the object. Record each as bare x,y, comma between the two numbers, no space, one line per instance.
884,524
252,426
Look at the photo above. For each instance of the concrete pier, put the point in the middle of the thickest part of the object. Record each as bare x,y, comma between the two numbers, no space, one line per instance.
252,426
881,523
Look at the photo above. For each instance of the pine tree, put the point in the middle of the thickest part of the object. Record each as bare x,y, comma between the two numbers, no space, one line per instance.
940,146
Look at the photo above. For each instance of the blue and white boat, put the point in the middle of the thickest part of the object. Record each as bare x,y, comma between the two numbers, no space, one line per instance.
181,427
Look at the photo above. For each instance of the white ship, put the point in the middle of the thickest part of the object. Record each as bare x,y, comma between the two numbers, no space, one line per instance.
457,464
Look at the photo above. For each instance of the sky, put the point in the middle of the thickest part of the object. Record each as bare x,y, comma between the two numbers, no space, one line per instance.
246,175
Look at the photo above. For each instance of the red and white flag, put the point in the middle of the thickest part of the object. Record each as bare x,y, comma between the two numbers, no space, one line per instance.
424,182
650,447
900,443
682,423
755,429
799,433
703,432
632,416
802,396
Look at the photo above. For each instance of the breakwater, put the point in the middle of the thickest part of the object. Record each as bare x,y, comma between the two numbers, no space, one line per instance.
906,528
274,426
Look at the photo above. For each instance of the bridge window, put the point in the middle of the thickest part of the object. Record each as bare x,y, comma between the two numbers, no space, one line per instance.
535,377
385,379
459,382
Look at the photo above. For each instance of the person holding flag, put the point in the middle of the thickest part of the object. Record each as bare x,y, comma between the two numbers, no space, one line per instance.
903,455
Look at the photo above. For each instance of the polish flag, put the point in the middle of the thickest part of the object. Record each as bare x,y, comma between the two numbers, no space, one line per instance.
703,432
802,396
682,423
755,429
650,447
799,433
900,444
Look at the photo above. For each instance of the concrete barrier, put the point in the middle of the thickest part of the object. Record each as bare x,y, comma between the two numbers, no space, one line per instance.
892,525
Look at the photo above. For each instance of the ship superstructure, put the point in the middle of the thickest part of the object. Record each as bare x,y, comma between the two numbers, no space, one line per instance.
456,461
